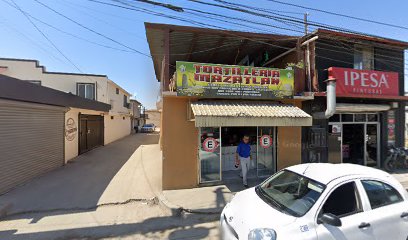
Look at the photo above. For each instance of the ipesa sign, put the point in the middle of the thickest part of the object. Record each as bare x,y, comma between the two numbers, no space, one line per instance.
364,82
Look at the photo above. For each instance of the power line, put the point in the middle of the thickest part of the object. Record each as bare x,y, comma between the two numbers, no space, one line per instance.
91,30
341,15
70,34
27,38
44,35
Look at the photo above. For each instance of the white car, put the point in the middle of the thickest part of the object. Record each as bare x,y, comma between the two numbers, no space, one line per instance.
320,201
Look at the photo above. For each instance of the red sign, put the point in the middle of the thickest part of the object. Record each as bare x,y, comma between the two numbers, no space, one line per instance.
364,82
265,141
210,144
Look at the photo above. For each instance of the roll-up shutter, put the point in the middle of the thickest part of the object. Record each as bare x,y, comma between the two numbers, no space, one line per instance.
31,141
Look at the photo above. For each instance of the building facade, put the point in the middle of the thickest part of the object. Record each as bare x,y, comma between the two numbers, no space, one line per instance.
220,85
370,102
138,115
95,128
154,116
202,124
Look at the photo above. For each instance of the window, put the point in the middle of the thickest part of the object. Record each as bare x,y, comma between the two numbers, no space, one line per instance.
343,201
363,57
290,192
117,90
380,194
125,101
36,82
86,90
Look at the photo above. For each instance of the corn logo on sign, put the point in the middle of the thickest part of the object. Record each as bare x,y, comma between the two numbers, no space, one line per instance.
229,81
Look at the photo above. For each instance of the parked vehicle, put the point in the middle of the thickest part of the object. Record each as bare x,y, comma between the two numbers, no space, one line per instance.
320,201
148,128
397,159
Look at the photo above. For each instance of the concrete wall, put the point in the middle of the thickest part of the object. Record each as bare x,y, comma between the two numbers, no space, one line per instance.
154,117
116,128
179,143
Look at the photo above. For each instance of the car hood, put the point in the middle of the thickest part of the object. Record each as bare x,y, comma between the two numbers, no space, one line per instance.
248,211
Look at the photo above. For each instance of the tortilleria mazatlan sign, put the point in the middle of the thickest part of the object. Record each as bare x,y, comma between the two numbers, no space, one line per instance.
228,81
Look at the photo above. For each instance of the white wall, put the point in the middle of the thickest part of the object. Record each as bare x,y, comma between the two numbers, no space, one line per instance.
117,127
116,100
27,70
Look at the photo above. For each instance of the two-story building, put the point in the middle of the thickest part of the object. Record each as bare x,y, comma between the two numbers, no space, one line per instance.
216,89
138,115
95,128
369,112
324,97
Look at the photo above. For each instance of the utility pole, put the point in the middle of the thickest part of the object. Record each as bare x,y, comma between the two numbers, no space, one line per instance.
305,21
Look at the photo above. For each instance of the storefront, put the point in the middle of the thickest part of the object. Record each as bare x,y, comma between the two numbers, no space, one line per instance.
364,123
213,108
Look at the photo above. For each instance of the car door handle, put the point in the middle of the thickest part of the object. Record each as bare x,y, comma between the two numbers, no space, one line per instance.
364,225
404,215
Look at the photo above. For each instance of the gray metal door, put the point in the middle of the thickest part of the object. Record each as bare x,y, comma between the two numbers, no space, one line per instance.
31,141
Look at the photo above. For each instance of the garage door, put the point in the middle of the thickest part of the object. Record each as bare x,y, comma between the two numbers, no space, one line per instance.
90,132
31,141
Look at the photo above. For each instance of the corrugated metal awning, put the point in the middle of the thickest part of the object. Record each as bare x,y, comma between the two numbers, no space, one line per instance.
239,114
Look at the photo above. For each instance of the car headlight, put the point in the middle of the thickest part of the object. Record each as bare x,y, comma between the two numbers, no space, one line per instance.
262,234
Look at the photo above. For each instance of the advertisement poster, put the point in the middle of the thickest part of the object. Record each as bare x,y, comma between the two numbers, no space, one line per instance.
227,81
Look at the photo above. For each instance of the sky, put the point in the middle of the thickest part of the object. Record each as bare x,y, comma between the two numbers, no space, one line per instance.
133,71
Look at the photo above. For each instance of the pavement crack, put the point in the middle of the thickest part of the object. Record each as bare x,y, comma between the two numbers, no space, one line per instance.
151,201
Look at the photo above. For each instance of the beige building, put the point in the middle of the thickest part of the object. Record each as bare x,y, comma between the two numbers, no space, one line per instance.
85,129
153,116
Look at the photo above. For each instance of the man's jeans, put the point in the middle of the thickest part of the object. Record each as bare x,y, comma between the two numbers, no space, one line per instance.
245,168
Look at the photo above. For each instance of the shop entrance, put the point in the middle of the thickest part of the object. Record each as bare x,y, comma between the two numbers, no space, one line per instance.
355,139
217,152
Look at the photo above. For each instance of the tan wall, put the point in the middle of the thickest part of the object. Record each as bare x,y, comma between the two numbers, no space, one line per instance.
154,117
116,128
289,142
179,143
289,146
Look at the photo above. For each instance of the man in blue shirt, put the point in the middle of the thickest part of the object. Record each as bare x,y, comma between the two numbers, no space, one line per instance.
243,156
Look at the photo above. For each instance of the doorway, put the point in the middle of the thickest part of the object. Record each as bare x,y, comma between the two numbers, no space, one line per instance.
217,147
353,143
91,132
354,139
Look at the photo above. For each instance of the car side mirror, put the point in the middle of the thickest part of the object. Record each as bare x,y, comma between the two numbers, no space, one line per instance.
330,219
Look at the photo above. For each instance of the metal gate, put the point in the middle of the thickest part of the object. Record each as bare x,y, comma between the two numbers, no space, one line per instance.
90,132
31,141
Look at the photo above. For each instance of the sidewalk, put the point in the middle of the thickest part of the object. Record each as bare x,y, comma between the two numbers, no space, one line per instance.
208,200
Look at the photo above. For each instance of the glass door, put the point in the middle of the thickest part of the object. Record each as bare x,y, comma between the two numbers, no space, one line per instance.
266,164
209,154
371,145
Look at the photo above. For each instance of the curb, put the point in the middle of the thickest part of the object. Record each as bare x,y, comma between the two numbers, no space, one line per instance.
176,210
4,208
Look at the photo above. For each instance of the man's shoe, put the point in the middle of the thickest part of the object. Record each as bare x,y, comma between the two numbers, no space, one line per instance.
246,186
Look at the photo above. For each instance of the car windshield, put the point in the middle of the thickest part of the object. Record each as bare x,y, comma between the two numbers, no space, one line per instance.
148,125
290,192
